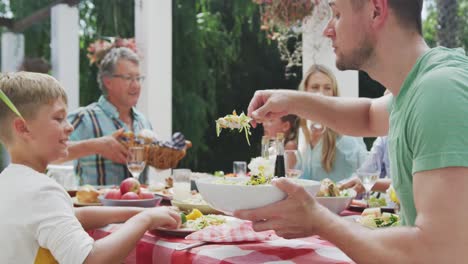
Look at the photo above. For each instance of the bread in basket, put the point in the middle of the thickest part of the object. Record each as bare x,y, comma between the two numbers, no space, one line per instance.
159,154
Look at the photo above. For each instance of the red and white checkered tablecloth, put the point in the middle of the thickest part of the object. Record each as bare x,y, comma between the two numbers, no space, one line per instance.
157,248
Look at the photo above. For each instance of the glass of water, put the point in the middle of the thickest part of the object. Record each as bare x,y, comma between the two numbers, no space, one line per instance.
292,158
239,168
181,184
369,170
136,160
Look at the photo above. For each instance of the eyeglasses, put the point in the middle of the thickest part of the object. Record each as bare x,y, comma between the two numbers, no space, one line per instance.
129,79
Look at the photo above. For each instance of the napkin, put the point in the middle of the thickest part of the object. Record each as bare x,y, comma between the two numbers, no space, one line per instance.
240,231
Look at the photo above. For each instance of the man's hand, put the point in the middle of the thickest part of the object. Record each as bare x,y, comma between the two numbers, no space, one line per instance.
298,215
110,148
269,104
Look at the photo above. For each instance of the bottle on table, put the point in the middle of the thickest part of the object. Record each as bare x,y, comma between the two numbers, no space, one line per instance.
265,152
280,170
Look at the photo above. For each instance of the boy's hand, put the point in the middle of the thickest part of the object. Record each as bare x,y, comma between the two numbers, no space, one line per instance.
163,216
110,148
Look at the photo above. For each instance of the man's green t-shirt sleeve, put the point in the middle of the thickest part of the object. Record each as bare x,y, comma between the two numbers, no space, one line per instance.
438,127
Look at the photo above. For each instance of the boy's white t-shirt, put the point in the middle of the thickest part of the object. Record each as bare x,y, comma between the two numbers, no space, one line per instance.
36,212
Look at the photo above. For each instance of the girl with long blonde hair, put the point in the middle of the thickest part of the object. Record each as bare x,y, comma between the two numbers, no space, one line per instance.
326,154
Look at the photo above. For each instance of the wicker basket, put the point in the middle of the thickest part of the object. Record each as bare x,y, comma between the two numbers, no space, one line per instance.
158,154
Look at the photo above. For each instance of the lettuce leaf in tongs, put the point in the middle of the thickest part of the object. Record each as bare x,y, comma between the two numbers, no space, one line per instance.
234,121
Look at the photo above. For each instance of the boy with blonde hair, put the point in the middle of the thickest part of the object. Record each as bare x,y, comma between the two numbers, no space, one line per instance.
41,225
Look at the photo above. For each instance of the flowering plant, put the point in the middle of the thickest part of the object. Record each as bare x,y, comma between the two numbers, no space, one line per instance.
98,49
261,170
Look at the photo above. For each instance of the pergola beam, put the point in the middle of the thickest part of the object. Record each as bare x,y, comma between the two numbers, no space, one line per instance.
24,23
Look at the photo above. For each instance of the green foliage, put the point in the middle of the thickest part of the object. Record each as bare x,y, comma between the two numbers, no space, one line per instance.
37,37
431,25
220,59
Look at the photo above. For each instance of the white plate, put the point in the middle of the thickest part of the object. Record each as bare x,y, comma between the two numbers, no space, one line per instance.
166,194
78,203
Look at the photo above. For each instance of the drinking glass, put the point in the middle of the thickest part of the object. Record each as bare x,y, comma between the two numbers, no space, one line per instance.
181,184
369,170
239,168
136,161
291,160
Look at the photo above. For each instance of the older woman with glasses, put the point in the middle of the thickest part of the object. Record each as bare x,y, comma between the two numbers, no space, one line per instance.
100,158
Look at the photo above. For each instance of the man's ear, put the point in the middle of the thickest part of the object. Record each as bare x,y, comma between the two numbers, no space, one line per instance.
20,127
106,80
379,12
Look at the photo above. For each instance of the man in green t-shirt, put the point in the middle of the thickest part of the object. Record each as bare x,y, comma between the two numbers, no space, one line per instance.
426,118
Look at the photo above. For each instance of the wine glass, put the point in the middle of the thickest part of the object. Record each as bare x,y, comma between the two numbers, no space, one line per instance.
291,159
369,170
136,160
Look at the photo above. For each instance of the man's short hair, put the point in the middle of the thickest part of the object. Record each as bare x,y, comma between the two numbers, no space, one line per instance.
408,12
28,91
109,62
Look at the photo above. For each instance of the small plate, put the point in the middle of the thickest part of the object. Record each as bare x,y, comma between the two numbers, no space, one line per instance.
184,231
165,194
78,203
360,208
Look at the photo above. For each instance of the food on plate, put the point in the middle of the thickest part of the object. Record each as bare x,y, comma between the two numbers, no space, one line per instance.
328,188
234,121
160,154
374,218
87,194
169,182
377,202
197,221
130,189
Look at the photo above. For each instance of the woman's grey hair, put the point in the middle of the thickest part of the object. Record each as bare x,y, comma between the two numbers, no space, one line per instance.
108,63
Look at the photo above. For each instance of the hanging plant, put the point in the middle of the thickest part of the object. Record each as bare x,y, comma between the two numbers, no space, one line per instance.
283,20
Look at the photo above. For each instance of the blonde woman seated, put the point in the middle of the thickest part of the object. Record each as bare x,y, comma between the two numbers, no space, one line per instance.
325,153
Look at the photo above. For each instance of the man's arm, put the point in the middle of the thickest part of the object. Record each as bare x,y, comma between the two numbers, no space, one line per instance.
349,116
107,146
440,234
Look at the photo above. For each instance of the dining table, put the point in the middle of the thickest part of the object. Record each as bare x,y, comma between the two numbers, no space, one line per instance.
161,247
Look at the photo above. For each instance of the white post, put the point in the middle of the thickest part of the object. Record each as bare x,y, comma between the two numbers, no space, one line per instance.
153,33
65,50
12,57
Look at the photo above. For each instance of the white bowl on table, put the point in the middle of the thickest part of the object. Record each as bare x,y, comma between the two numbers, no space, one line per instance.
339,203
230,194
153,202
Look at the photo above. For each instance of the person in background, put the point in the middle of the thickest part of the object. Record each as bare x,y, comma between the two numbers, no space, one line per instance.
100,158
380,150
288,125
35,65
326,153
41,225
425,119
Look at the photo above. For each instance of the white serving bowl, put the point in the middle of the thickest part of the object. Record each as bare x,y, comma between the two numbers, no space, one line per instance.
230,194
337,204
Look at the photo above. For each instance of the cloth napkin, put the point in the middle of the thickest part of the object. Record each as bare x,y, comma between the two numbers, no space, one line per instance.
240,231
